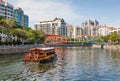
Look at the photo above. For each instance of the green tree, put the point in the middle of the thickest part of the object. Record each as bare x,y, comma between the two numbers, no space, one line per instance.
104,38
19,32
40,36
1,17
10,22
31,35
11,27
3,22
36,36
113,36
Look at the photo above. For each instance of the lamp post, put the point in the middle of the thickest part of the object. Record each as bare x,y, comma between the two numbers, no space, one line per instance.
36,34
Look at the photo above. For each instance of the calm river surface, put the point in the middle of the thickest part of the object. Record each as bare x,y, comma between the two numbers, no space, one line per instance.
72,64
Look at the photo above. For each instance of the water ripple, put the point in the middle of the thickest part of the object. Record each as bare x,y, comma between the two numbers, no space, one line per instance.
72,64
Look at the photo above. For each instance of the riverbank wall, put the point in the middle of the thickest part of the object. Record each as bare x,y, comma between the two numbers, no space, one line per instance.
25,48
108,47
67,45
16,49
113,47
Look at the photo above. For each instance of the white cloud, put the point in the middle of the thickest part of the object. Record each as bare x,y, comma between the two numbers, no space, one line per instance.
39,9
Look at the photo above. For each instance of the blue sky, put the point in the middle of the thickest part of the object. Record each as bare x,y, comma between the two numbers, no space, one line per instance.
73,11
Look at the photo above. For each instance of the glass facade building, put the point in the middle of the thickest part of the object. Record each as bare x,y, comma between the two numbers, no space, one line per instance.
20,18
26,20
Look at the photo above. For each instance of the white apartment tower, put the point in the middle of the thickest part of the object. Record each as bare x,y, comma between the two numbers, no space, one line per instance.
52,26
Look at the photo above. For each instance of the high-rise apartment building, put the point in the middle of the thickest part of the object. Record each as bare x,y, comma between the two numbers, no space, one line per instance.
52,26
26,20
103,30
89,28
20,18
6,9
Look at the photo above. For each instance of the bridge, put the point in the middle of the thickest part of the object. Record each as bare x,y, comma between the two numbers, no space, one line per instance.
90,41
93,41
84,42
97,43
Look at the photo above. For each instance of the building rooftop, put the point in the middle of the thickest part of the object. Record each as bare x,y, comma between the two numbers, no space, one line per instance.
52,19
2,2
18,9
6,4
90,22
112,28
46,19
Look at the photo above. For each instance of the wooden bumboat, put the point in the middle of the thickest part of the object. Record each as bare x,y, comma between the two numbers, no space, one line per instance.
40,55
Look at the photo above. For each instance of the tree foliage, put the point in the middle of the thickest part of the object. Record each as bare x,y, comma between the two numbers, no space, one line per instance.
10,22
113,37
36,36
11,27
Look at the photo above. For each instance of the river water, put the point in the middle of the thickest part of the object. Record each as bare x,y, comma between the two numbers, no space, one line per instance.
72,64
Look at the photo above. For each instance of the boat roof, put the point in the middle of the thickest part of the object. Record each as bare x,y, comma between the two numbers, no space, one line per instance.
46,48
43,48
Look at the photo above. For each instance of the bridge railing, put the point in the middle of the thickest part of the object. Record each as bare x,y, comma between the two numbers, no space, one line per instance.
98,43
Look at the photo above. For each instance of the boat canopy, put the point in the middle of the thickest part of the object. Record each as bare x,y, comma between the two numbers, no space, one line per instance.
43,48
47,48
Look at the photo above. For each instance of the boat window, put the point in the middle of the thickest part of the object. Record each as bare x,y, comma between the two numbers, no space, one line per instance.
36,51
41,52
32,51
50,53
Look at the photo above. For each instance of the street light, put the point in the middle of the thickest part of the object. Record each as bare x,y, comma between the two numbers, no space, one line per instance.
36,34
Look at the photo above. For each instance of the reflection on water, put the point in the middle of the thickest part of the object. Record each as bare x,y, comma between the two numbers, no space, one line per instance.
72,64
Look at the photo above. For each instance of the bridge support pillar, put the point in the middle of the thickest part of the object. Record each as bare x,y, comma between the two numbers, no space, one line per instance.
102,46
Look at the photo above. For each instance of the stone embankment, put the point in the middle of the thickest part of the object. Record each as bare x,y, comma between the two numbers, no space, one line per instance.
109,47
25,48
16,49
113,47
